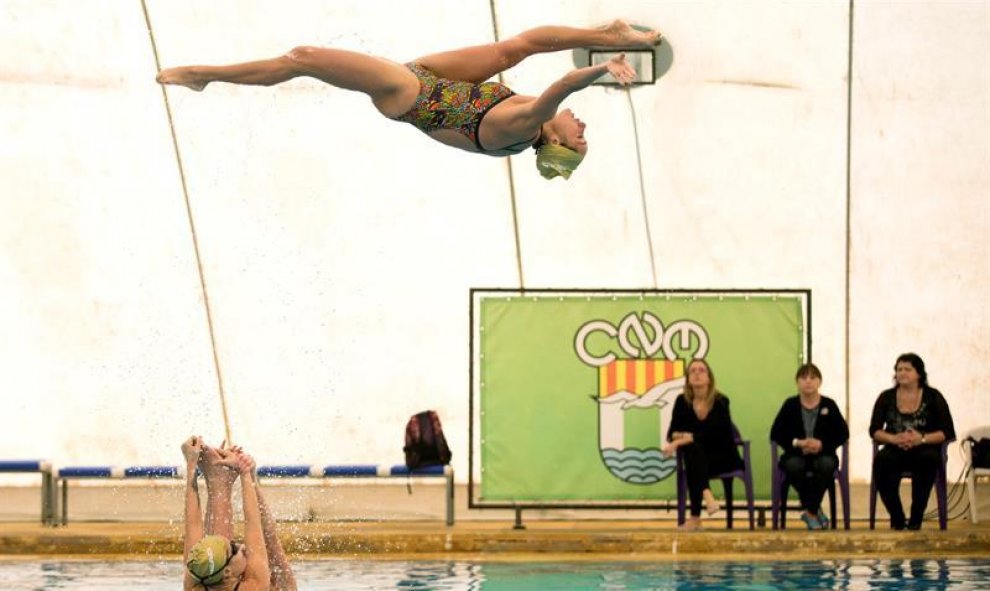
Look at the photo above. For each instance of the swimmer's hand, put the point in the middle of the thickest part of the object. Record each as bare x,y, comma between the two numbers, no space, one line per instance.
217,457
192,448
620,69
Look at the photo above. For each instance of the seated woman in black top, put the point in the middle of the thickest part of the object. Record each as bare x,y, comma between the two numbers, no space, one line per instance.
809,428
911,421
701,426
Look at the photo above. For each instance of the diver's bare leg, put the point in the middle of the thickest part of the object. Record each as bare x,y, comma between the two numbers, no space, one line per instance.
220,478
391,86
282,577
481,62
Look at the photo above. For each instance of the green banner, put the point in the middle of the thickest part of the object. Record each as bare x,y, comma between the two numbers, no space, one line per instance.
575,390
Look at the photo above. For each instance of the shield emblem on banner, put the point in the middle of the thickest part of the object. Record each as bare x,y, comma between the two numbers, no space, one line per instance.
632,419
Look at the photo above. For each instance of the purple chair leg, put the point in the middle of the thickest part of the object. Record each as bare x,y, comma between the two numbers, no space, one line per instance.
940,493
681,488
844,485
873,502
778,490
727,487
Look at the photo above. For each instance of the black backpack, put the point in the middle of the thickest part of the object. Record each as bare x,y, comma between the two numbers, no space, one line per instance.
425,443
979,452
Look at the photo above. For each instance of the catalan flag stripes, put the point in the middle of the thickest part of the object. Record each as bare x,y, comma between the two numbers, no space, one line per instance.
636,375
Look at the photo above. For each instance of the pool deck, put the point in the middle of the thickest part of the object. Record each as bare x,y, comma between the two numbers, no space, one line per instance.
495,540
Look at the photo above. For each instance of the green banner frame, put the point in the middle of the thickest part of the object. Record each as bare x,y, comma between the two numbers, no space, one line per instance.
571,390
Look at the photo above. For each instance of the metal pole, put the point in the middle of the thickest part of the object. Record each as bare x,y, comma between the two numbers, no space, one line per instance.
65,502
47,500
450,496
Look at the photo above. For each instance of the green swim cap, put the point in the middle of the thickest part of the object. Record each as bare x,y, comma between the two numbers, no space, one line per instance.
553,160
208,558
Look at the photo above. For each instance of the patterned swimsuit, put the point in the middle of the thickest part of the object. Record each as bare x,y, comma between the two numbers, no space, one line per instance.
456,105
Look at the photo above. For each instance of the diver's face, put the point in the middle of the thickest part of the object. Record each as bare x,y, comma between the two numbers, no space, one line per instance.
571,131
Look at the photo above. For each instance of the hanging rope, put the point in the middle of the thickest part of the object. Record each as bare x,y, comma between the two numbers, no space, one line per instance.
512,181
192,229
642,191
848,245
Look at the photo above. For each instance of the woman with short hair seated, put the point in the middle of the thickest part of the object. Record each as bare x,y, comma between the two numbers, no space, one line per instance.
809,428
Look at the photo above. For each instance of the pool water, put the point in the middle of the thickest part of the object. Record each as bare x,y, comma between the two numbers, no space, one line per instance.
320,575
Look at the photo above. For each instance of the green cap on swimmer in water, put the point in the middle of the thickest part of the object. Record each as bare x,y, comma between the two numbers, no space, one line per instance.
553,160
208,558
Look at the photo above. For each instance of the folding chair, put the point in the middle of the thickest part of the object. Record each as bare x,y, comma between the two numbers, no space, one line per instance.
780,487
976,434
745,474
941,489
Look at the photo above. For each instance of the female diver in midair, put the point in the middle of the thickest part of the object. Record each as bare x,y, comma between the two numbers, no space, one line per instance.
446,94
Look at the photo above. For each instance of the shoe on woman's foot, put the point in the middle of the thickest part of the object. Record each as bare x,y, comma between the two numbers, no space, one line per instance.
823,519
811,521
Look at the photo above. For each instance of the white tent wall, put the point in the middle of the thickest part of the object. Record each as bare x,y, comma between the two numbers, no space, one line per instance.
104,347
337,247
920,206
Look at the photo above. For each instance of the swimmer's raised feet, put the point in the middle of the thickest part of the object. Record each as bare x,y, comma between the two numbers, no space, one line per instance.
626,36
185,76
219,466
192,449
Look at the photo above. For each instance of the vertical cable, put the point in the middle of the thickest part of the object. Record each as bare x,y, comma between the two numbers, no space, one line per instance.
849,83
642,191
508,166
192,229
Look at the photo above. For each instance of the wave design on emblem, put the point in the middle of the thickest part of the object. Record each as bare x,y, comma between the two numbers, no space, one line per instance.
638,466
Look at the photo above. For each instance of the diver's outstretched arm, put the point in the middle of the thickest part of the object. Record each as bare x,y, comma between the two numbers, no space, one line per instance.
257,573
546,105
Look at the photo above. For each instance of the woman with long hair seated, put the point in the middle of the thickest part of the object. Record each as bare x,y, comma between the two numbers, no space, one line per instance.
701,427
